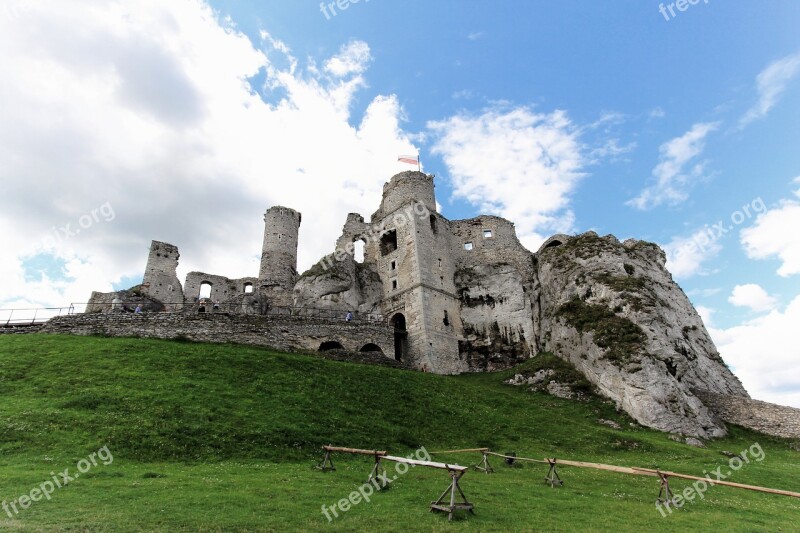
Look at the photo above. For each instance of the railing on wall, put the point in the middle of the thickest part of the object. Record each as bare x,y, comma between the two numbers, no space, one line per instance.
32,316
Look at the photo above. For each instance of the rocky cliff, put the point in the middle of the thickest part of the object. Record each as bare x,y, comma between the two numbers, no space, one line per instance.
342,285
613,310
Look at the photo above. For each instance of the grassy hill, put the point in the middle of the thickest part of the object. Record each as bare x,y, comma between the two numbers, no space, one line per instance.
220,437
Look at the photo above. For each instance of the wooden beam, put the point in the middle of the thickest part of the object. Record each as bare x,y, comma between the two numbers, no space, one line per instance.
482,450
353,450
610,468
432,464
516,458
720,482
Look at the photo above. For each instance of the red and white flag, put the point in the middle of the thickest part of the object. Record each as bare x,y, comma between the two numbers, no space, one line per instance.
410,159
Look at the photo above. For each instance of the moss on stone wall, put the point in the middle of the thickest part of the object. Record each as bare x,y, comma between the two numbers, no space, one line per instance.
623,340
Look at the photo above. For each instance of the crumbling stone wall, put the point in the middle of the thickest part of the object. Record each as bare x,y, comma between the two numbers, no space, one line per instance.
769,418
160,278
222,288
278,332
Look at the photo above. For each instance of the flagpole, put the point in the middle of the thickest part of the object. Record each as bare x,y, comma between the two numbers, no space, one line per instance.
419,164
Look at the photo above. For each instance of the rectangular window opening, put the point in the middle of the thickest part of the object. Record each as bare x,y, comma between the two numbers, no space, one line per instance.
487,234
468,246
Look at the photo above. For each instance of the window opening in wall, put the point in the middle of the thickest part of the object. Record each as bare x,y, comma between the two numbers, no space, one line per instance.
394,265
205,290
248,288
487,233
434,227
446,319
389,242
468,246
358,251
394,284
440,262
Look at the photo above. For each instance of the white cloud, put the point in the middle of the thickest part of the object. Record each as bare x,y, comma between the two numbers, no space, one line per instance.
147,106
765,354
752,296
774,233
352,59
686,255
672,178
516,164
772,82
474,36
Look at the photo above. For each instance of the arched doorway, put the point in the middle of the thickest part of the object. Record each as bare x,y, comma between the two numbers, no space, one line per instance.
398,322
330,345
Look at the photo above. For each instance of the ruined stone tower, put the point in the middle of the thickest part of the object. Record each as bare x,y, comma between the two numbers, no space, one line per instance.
417,271
160,279
278,272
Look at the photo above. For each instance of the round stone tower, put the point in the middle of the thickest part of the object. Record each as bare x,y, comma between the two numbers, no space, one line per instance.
279,252
410,185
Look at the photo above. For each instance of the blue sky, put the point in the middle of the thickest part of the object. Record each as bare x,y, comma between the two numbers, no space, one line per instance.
191,118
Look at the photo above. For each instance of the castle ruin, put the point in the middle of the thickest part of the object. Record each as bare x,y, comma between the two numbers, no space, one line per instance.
465,295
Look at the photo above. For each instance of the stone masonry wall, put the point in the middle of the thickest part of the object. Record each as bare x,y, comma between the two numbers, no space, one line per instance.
222,288
280,333
769,418
160,278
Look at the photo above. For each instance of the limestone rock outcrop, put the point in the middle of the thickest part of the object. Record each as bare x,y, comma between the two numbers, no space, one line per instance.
340,285
614,312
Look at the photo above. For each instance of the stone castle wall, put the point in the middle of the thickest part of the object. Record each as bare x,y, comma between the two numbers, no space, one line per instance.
160,279
277,332
222,288
279,250
769,418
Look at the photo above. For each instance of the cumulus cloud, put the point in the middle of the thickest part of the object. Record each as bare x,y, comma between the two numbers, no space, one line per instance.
515,163
686,255
765,355
774,234
752,296
150,107
674,173
772,83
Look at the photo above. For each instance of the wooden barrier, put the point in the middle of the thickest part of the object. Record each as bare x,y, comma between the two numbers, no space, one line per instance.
483,466
353,450
660,473
457,471
326,465
442,504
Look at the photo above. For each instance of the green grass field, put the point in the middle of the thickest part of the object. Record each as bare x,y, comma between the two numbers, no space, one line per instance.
223,438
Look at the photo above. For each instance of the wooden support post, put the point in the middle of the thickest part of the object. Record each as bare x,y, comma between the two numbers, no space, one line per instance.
378,472
664,493
552,475
326,465
443,506
484,465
